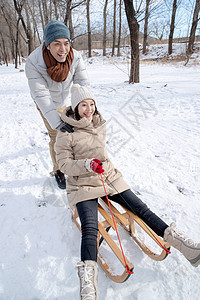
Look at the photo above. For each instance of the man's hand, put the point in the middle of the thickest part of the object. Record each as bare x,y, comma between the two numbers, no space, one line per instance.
63,127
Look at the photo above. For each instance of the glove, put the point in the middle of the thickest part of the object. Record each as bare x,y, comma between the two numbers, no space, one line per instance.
94,165
63,127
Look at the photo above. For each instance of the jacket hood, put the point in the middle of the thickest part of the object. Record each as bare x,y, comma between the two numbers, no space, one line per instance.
69,117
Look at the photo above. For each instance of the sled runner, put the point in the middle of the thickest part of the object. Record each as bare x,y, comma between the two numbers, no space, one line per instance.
126,219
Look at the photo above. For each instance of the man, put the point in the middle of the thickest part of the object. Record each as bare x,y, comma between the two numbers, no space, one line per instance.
51,69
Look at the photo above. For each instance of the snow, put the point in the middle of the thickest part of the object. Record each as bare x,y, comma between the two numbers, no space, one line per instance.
157,150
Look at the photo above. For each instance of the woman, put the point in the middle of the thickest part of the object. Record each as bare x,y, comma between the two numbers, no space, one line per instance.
82,156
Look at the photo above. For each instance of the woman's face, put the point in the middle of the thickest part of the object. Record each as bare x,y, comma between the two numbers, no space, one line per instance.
86,108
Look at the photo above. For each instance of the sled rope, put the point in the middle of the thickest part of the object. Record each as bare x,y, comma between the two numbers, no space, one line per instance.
127,268
166,250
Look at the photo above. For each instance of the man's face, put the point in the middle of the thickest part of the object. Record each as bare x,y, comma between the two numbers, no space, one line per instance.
59,49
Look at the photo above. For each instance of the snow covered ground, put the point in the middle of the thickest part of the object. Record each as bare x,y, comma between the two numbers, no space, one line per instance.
157,150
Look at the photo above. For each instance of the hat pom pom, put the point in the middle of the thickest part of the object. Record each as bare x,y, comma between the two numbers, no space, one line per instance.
75,87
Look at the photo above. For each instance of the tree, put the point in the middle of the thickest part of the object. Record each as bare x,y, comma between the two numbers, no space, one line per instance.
41,14
134,37
56,9
89,29
68,18
114,28
31,10
120,28
172,26
144,50
6,12
3,50
27,29
159,29
104,27
45,12
193,28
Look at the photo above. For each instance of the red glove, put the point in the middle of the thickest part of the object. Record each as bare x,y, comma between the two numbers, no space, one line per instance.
96,166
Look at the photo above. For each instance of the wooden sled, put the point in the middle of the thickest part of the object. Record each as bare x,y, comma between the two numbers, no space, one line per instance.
126,220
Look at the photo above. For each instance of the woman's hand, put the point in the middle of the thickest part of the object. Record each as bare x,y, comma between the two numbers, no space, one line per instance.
94,165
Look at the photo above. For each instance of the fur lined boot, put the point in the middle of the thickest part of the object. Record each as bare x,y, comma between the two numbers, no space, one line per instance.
88,272
189,248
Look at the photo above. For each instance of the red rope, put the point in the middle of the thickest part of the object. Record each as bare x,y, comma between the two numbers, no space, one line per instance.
166,250
127,268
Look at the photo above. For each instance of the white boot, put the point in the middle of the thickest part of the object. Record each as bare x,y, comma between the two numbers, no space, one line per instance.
87,272
189,248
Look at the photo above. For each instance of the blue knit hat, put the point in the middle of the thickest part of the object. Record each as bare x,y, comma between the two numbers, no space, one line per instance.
55,30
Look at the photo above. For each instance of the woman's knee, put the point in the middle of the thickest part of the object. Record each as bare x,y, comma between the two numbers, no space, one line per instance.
88,214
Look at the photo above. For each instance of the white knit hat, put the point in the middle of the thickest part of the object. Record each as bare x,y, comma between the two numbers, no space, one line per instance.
78,94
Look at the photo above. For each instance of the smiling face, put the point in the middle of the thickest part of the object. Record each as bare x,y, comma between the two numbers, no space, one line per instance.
86,108
59,49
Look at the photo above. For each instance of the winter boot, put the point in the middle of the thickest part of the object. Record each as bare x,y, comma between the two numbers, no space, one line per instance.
87,272
189,248
60,179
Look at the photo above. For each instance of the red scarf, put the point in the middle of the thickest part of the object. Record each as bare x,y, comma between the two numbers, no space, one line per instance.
57,71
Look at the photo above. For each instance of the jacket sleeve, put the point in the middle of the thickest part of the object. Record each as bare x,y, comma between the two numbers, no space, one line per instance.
65,157
80,74
41,95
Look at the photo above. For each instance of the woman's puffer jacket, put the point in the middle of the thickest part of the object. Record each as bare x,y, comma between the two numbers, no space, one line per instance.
73,149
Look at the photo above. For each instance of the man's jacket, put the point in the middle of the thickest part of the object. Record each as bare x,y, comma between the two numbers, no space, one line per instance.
48,94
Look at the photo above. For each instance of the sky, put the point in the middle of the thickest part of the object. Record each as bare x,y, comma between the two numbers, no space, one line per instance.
161,16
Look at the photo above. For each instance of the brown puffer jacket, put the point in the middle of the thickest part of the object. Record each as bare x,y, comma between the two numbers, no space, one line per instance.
73,149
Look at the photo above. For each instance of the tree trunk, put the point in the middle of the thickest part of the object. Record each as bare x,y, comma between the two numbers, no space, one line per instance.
172,26
89,30
11,32
120,28
45,12
50,10
35,26
114,29
18,7
144,50
104,28
56,9
5,56
71,28
68,20
193,28
29,32
16,43
134,37
41,15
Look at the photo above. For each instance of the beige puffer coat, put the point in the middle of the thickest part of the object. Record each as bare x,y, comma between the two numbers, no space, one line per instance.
72,149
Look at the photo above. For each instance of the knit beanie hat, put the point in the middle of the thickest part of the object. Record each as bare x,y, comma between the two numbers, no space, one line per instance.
55,30
80,93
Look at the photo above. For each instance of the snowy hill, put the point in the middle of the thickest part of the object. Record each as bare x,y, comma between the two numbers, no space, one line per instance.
158,154
155,53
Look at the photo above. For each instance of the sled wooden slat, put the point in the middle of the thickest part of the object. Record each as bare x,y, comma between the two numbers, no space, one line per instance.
127,221
131,217
107,217
148,230
113,246
117,214
116,278
75,217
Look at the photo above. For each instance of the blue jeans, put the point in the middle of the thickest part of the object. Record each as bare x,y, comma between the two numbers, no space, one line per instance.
88,214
